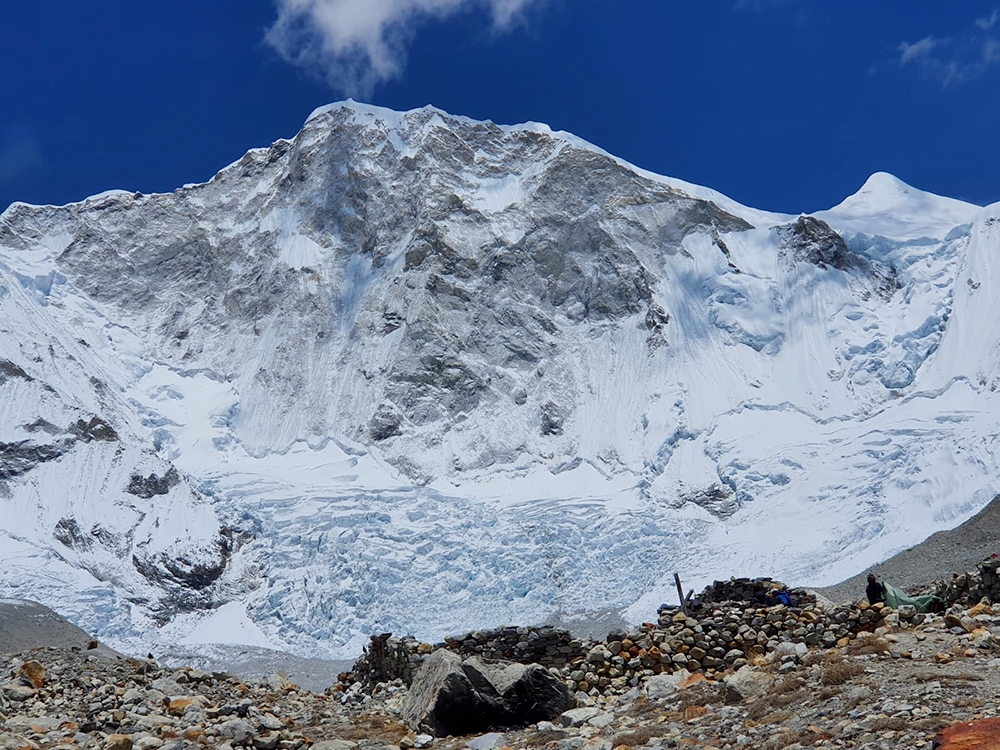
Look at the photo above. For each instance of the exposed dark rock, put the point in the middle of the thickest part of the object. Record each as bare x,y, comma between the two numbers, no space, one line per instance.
147,487
530,692
812,240
188,584
438,383
656,318
21,457
9,370
68,532
190,574
95,429
552,419
386,423
42,425
450,696
717,499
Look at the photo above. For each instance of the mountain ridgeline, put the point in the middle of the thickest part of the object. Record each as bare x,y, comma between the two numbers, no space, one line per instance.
413,371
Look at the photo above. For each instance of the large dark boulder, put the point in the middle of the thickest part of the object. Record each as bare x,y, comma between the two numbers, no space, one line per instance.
450,696
530,693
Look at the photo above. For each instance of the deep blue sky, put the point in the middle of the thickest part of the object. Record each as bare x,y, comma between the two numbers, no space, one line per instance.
782,104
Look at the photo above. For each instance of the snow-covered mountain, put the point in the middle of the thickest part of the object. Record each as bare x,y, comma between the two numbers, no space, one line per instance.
418,373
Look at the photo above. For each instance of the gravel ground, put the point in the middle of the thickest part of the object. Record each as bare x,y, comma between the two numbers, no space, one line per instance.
938,556
25,625
255,664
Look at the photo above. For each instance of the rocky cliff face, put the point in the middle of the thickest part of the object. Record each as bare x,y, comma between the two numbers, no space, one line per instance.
406,361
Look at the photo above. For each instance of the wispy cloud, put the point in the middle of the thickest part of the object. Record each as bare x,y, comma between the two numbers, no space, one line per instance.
20,155
956,59
357,44
989,21
991,51
918,50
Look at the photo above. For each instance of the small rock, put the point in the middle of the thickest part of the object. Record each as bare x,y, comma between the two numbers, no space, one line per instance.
601,720
422,740
495,739
238,730
33,672
577,717
118,742
267,741
179,704
18,693
747,684
270,721
694,713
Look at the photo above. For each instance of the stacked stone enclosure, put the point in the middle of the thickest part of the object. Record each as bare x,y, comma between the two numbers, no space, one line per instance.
723,634
727,629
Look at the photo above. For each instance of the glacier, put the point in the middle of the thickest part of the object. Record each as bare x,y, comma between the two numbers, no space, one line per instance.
412,372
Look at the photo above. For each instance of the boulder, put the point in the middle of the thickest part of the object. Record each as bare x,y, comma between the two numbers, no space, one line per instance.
238,730
34,673
577,717
665,684
18,693
747,684
529,692
972,735
450,696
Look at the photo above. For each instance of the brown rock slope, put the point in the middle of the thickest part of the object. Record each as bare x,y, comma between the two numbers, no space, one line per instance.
25,625
936,557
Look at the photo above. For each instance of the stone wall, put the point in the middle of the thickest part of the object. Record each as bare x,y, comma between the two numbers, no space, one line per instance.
968,589
712,640
548,646
748,590
388,658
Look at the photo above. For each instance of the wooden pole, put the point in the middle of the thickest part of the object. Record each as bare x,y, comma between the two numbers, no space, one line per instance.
680,592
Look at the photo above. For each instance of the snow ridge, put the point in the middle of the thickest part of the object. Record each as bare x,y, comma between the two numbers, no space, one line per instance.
413,372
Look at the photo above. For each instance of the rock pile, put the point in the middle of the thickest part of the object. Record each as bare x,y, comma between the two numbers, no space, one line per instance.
388,658
967,589
712,640
547,645
454,696
894,687
725,633
748,590
70,698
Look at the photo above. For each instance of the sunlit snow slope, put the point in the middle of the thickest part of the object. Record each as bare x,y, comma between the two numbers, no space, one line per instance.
413,372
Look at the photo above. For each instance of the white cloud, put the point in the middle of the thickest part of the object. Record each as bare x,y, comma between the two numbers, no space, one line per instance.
991,51
918,50
357,44
990,21
954,60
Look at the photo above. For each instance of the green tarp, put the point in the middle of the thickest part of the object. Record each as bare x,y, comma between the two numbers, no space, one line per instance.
894,597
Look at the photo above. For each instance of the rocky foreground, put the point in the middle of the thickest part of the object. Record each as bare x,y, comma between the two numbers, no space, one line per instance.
892,688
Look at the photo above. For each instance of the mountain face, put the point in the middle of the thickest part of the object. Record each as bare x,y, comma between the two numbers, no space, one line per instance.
415,372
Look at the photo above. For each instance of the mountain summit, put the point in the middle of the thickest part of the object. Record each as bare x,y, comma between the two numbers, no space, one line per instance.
414,372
